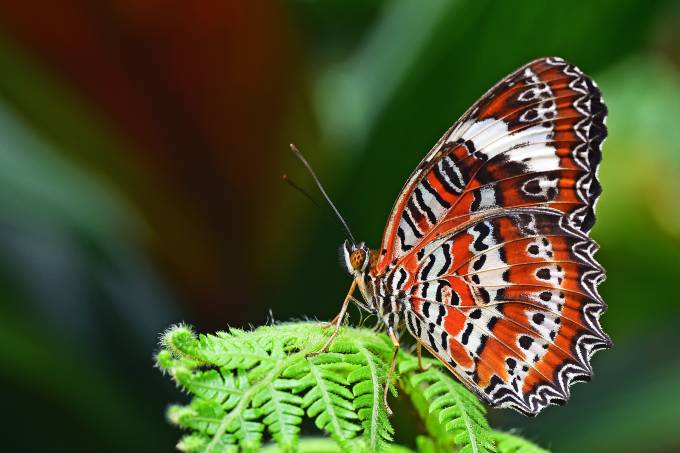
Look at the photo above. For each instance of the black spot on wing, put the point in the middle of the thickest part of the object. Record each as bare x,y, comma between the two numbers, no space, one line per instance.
479,262
430,340
444,181
543,274
492,322
426,309
443,203
452,173
423,289
532,186
476,201
444,339
402,278
475,314
428,212
446,251
402,239
455,298
502,255
411,224
419,326
413,210
494,382
484,294
466,334
425,273
484,230
482,342
525,341
409,320
442,313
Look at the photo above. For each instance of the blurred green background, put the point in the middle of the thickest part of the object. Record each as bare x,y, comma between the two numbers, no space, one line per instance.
141,148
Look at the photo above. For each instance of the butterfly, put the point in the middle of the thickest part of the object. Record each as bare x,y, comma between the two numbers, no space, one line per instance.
486,259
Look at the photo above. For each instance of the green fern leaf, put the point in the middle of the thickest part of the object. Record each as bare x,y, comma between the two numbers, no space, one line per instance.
248,431
327,399
426,444
200,415
451,407
217,395
212,385
246,386
367,382
510,443
198,443
282,413
193,443
229,351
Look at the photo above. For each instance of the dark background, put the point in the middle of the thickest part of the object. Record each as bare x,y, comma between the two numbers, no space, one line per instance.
141,148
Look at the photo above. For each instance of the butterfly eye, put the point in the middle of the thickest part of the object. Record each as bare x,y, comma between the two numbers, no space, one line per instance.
358,260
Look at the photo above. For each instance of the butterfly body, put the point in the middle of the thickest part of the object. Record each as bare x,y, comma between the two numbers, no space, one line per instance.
486,259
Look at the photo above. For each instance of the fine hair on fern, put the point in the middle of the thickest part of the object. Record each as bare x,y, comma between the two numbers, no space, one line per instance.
251,390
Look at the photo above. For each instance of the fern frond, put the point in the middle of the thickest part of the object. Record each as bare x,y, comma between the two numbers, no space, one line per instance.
426,444
282,413
248,431
211,385
217,395
193,443
324,445
200,415
251,386
450,408
327,399
511,443
367,383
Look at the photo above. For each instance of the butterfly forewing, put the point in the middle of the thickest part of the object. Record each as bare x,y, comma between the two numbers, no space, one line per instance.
488,239
532,140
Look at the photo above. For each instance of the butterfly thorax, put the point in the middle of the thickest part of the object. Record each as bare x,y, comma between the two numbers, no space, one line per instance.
361,263
380,300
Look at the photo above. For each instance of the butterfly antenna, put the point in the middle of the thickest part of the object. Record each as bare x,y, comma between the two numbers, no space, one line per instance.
299,155
299,189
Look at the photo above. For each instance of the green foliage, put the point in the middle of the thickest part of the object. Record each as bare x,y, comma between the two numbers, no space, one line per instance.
453,415
510,443
247,387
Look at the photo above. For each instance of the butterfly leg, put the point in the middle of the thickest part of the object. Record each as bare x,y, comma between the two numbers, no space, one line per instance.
359,303
337,320
395,343
419,347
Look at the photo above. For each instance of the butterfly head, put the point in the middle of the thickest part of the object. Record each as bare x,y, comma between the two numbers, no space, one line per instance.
357,257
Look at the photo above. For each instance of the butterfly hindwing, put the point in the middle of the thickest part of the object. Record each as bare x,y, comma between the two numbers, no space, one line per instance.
510,305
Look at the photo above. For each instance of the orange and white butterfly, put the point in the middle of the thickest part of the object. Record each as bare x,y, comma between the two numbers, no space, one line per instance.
486,258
